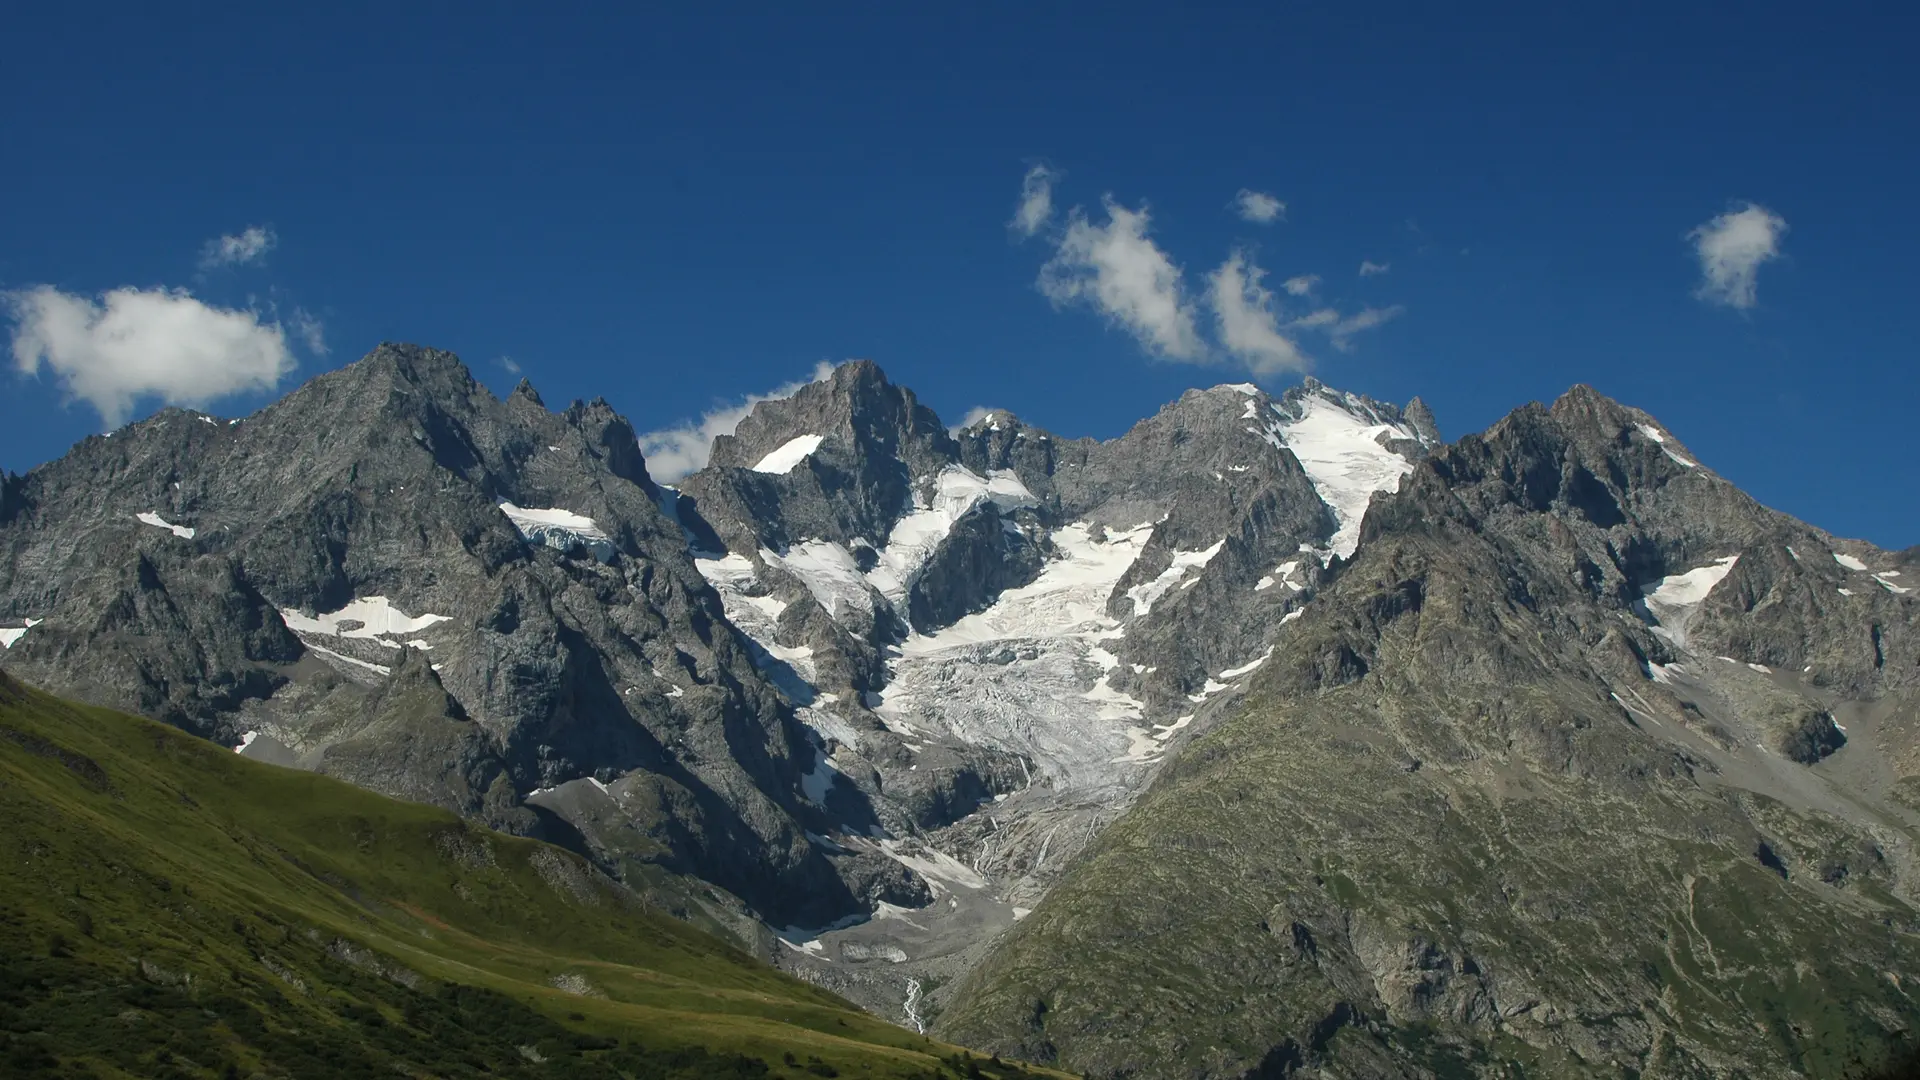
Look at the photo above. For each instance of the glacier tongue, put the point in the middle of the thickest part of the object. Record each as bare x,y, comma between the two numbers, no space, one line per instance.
1027,675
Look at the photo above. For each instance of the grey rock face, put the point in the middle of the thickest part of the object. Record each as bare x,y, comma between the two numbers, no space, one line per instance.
392,479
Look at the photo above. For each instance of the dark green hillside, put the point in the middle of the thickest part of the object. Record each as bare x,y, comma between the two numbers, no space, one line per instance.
169,909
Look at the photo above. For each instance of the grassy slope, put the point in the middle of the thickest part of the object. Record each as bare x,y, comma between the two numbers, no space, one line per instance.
169,908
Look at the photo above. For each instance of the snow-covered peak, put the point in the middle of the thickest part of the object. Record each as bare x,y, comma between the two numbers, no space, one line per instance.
1343,441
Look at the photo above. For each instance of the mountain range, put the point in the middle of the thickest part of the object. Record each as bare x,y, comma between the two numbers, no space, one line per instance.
1276,736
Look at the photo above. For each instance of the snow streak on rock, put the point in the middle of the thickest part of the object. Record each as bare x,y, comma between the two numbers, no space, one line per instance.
791,453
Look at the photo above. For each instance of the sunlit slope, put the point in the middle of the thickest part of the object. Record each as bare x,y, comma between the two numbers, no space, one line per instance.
168,908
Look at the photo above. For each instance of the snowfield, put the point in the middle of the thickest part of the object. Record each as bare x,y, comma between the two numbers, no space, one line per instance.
788,454
1340,450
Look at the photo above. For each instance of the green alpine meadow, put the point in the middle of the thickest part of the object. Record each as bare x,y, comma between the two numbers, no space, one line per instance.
170,909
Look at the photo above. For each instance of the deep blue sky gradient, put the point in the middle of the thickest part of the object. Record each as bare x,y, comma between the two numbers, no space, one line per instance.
670,210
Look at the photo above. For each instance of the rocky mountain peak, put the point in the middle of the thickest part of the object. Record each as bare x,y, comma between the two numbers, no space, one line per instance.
865,422
523,391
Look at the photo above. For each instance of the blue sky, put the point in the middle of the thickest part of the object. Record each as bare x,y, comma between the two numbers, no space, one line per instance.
674,211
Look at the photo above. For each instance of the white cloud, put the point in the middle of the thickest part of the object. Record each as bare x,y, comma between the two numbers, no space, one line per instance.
975,415
1036,201
1368,267
1731,248
134,343
1339,328
508,362
1258,207
1248,325
310,329
1302,285
247,246
1125,276
677,452
1342,331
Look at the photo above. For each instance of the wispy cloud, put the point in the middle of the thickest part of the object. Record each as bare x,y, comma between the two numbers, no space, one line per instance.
1247,322
1119,271
250,245
1341,333
676,452
1731,248
1258,207
1115,267
511,365
134,343
1036,201
310,331
1340,329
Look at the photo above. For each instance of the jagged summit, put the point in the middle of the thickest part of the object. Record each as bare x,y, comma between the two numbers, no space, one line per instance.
524,391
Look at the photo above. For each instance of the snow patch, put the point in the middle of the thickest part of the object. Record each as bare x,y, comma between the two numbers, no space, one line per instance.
735,579
373,618
378,669
1849,561
790,453
246,740
150,518
829,572
1654,433
561,530
11,634
1234,673
936,866
1672,602
1145,595
1890,586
